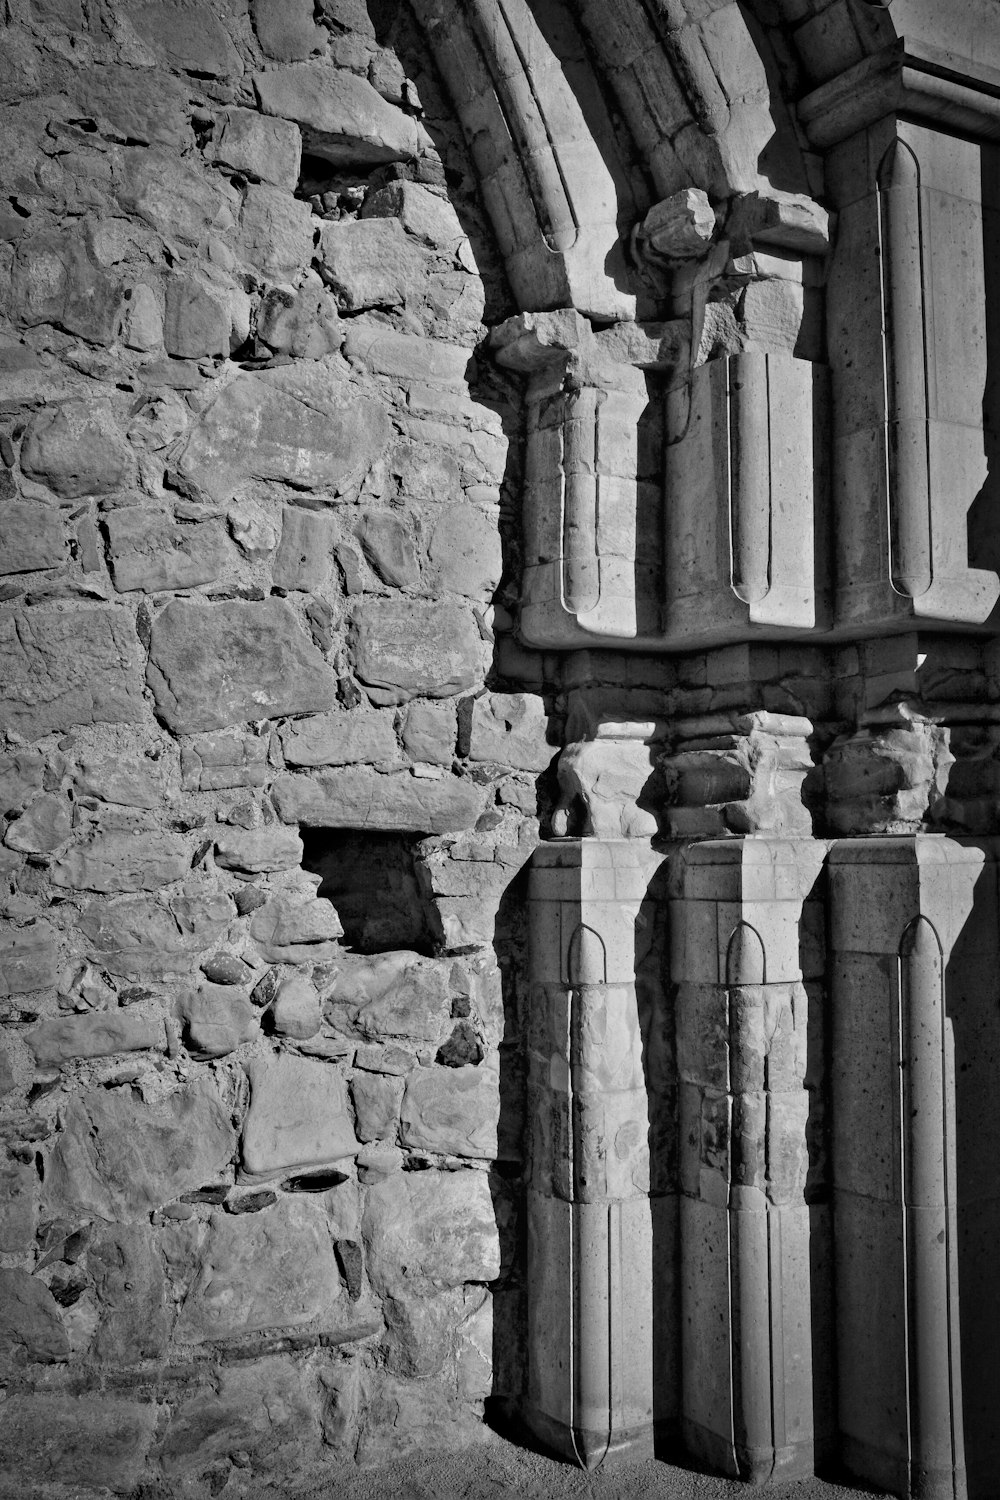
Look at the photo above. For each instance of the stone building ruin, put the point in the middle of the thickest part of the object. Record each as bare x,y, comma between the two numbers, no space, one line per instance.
501,713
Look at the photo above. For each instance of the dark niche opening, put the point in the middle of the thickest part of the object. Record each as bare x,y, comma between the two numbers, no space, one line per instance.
372,880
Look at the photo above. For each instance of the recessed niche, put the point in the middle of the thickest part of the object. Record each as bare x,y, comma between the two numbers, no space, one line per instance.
372,880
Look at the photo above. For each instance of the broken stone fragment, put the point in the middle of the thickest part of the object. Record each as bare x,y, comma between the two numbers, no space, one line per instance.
65,667
272,1269
296,1011
343,119
43,826
358,797
31,537
217,1019
340,739
30,1325
270,150
100,1034
257,849
415,648
301,425
302,323
452,1110
72,453
120,862
680,227
298,1117
218,664
428,215
118,1156
30,958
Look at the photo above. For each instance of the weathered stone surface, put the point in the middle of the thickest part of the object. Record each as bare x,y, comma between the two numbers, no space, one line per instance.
357,797
425,1231
408,357
66,667
20,778
510,728
396,996
276,232
342,117
217,1019
303,557
421,211
130,1288
215,761
30,1325
368,263
30,958
31,536
430,732
119,1156
258,849
119,862
190,38
340,739
302,426
99,1034
18,1192
144,937
302,323
94,1440
465,552
298,1117
452,1110
291,924
73,453
135,104
296,1011
176,197
377,1098
43,826
212,665
415,648
266,149
388,546
195,320
275,1269
286,29
55,279
137,783
261,1409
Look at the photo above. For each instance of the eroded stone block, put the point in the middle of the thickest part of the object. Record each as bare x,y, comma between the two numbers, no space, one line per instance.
298,1117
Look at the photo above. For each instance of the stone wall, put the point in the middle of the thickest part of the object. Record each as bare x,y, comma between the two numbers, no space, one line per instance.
256,513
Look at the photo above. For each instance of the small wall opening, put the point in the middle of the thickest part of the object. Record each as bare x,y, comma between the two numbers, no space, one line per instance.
373,882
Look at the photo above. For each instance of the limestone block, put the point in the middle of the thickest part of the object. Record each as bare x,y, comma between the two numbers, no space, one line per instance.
190,40
93,1440
430,731
369,263
275,232
174,196
415,648
357,797
44,825
510,728
299,425
377,1099
118,862
287,32
258,849
296,1011
55,279
31,537
144,937
73,452
452,1110
137,104
270,150
118,1157
212,665
298,1117
30,958
396,996
408,357
217,1019
388,545
66,667
339,739
679,227
293,928
129,783
303,557
130,1287
430,1230
100,1034
421,211
465,551
30,1325
212,762
342,117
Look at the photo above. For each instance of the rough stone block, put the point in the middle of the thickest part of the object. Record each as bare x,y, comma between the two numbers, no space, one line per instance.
369,263
270,150
217,1019
377,1099
388,546
257,849
404,1217
31,537
117,862
452,1110
42,827
73,452
287,31
93,1440
30,958
66,667
130,1288
303,557
100,1034
276,232
421,211
298,1117
288,926
196,319
465,551
342,117
415,648
430,733
296,1011
144,937
212,665
30,1325
340,739
510,728
215,761
357,797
